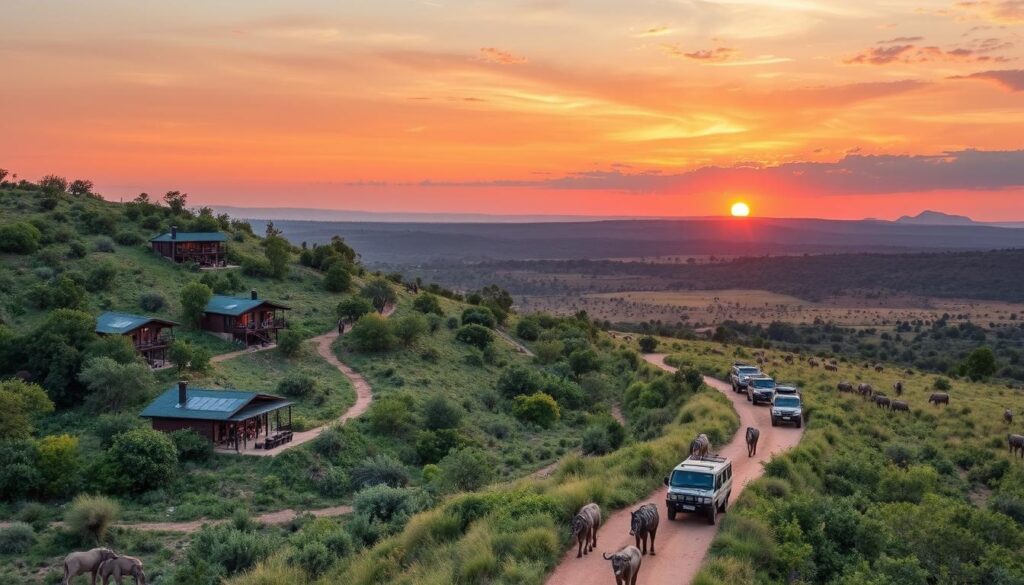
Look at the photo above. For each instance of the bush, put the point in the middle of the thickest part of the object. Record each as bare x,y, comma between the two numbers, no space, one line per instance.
105,245
380,294
352,308
372,332
128,239
223,550
19,238
409,328
141,459
648,344
476,335
380,469
432,446
528,329
942,384
583,361
152,301
516,380
297,385
289,342
479,316
390,415
337,278
540,409
90,516
59,464
77,249
191,446
467,469
108,426
596,441
194,297
452,323
441,413
16,539
428,304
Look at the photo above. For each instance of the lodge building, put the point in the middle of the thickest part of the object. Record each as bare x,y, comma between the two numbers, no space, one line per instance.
207,249
151,336
251,321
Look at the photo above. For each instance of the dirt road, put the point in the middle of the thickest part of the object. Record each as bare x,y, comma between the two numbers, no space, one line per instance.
681,544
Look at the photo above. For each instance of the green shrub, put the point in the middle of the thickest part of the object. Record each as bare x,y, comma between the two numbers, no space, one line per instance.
220,551
191,446
289,342
432,446
59,463
141,459
648,344
440,413
128,239
452,323
194,297
77,249
16,539
528,329
467,469
478,316
390,415
105,245
337,278
89,517
380,469
409,328
428,304
539,408
516,380
19,238
108,426
476,335
352,308
152,301
297,385
372,333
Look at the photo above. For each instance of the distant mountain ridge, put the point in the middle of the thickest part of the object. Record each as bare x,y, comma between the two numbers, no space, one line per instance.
929,217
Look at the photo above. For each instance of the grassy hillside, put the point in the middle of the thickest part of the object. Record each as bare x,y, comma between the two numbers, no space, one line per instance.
873,496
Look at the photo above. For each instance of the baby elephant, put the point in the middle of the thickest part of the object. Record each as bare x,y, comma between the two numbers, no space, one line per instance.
625,565
121,566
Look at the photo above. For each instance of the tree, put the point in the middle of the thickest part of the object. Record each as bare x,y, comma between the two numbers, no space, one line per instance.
467,469
372,333
539,408
980,364
59,464
475,335
517,379
53,353
180,354
3,175
352,308
380,293
478,315
176,201
428,304
528,329
648,344
583,361
549,351
53,184
113,386
141,459
19,238
20,403
289,342
194,297
440,413
409,328
337,278
390,416
80,187
278,252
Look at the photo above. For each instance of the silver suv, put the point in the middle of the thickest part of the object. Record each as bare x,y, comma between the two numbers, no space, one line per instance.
740,373
760,389
699,486
787,408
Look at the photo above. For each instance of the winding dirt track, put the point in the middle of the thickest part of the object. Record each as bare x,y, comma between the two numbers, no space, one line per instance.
683,544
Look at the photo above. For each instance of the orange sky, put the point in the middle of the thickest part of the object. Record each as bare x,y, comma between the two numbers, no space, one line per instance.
646,107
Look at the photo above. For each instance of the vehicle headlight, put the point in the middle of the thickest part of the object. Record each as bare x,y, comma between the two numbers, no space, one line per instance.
776,413
705,500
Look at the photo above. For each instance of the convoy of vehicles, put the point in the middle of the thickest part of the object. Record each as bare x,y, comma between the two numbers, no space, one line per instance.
740,373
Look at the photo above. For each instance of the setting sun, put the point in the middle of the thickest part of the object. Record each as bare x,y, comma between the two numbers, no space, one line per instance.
740,209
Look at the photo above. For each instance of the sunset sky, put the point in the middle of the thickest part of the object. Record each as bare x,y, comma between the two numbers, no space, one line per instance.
801,108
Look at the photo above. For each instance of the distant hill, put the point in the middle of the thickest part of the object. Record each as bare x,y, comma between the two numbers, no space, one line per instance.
928,217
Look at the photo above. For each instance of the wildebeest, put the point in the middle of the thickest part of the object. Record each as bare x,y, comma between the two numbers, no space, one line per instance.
899,405
788,359
644,522
625,565
584,528
1008,416
813,363
865,390
1016,443
882,401
898,388
753,435
878,367
938,398
700,446
831,367
844,387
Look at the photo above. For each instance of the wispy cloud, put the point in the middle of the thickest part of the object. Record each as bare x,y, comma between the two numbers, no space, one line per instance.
493,55
658,31
901,40
1011,79
717,54
905,51
1005,11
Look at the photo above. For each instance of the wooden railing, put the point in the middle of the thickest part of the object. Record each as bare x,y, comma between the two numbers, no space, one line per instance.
162,341
263,325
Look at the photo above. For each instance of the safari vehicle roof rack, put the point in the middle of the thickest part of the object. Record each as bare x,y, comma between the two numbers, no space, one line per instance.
715,458
744,364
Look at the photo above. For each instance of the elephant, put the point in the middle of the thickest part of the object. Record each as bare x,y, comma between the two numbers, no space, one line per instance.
88,561
121,566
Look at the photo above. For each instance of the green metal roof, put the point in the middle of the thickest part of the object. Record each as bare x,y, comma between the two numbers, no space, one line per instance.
234,306
191,237
212,404
113,323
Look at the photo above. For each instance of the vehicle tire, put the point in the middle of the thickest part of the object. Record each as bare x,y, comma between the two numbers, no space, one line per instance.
775,423
749,399
725,502
713,515
671,512
799,423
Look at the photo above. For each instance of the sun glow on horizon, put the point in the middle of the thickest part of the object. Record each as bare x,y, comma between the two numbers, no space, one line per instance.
740,209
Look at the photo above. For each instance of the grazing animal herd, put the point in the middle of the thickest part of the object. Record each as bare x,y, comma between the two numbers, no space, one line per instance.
103,563
626,562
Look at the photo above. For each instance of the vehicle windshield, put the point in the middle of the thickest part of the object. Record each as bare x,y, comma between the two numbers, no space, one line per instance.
692,480
748,371
785,389
763,383
787,402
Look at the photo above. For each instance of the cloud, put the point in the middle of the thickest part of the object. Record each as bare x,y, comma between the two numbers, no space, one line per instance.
853,174
715,55
657,31
1005,11
901,40
977,51
492,55
1011,79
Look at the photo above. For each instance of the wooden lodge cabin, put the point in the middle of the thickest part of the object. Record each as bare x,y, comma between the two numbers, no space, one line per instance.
251,321
151,336
230,419
207,249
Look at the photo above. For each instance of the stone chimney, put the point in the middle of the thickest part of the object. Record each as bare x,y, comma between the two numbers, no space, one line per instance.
182,393
174,232
253,294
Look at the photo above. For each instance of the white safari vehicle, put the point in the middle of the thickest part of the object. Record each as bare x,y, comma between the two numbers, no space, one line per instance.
699,486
